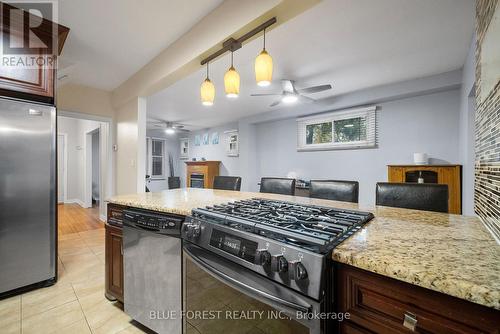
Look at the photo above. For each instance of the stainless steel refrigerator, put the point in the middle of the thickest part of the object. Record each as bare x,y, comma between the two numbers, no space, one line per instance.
28,230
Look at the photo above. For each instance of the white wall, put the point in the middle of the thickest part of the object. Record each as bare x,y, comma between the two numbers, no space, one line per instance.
130,138
426,123
77,129
228,166
69,126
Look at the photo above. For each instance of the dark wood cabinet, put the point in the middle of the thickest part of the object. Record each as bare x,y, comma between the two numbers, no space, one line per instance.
114,254
114,263
28,72
379,304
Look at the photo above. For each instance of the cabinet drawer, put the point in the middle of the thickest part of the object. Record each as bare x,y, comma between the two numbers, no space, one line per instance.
382,304
198,169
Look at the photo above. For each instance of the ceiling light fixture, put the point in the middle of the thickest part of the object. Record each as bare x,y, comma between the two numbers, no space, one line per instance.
264,66
170,131
207,91
232,81
289,98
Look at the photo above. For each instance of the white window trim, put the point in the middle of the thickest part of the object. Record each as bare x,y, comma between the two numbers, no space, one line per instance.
149,166
371,129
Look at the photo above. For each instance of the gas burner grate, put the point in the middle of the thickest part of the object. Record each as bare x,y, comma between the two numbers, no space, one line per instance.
315,228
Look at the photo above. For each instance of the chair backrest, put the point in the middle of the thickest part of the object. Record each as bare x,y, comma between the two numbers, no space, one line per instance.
427,196
276,185
227,183
174,182
336,190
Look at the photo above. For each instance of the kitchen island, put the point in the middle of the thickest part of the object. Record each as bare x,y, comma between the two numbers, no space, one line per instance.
440,255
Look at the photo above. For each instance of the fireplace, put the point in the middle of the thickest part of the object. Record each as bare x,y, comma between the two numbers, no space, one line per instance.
197,181
200,174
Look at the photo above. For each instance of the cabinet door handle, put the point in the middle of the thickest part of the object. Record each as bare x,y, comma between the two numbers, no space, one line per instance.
410,321
121,249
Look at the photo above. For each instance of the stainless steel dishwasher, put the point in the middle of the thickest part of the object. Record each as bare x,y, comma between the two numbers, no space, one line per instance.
152,280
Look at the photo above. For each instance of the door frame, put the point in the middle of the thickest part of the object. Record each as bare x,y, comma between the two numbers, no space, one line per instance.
65,166
107,139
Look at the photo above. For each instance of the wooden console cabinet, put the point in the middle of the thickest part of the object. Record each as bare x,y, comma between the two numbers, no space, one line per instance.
379,304
450,175
209,169
114,254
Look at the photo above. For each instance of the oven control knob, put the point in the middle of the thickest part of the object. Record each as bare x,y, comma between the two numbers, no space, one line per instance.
192,231
279,264
297,271
262,257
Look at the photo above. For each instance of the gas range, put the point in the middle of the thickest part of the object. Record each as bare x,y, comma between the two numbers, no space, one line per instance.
289,243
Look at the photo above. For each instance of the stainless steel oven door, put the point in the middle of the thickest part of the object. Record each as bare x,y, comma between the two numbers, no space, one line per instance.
223,297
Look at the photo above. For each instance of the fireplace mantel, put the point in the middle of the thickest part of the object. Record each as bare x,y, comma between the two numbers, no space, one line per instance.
206,170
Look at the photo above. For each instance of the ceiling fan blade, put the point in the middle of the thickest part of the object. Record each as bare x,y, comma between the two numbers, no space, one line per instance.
288,86
315,89
275,103
306,99
182,130
265,94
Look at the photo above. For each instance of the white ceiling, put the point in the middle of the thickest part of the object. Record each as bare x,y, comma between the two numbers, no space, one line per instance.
110,40
349,44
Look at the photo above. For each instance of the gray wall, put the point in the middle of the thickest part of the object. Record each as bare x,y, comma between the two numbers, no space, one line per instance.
172,147
228,166
426,123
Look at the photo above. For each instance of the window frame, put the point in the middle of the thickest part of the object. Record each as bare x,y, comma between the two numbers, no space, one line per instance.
369,113
149,151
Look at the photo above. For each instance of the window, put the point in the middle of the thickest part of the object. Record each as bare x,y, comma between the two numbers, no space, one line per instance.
350,129
155,149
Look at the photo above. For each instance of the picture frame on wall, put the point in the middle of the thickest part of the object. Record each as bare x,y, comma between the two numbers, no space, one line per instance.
215,138
205,139
184,144
232,143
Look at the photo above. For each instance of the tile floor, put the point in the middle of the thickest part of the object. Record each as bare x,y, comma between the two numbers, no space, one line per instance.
76,303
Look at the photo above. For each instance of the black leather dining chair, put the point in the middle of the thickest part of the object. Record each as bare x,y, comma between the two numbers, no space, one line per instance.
227,183
427,196
336,190
277,185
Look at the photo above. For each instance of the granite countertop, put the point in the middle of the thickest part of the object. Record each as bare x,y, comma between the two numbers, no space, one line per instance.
447,253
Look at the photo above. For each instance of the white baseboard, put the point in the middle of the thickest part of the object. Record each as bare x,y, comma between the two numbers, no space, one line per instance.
75,201
102,218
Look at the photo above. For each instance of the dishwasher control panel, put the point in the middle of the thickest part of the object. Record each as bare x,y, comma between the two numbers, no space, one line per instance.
152,221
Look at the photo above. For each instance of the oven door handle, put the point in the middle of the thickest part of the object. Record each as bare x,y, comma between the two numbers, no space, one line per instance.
244,287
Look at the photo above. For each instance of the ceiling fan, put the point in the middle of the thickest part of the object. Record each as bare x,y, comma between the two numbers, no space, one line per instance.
170,127
291,94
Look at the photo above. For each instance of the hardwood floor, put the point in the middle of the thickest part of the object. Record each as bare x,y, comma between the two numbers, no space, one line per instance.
73,219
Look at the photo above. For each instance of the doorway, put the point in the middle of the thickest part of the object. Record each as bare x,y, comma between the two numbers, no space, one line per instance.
89,170
93,162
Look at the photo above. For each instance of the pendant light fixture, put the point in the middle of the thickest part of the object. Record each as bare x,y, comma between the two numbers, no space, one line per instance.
232,81
264,66
207,91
